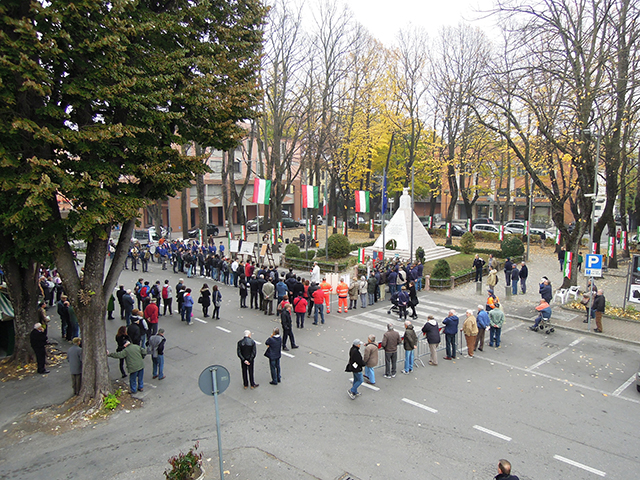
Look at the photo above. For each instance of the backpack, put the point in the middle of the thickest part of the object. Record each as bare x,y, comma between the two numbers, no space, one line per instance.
144,291
154,291
165,291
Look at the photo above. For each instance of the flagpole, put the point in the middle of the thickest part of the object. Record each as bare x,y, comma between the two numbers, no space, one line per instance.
306,226
382,210
411,214
326,224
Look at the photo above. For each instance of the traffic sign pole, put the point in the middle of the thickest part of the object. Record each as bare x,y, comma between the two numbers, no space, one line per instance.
215,400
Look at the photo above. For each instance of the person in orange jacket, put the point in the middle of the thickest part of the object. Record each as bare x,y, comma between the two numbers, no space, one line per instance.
343,293
326,289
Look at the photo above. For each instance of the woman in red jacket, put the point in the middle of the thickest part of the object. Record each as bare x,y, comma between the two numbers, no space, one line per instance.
300,307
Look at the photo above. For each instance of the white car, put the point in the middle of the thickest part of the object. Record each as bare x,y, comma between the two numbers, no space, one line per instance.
486,227
319,221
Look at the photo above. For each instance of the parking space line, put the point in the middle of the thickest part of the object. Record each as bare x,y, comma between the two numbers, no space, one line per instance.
419,405
624,386
491,432
366,385
201,321
554,355
324,369
580,465
224,329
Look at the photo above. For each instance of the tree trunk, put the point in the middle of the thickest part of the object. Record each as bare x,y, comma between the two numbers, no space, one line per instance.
185,201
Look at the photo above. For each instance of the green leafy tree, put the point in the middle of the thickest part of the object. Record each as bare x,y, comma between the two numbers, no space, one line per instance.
338,246
467,242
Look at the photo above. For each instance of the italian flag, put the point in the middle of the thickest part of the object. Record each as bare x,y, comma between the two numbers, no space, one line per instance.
243,232
344,228
448,230
468,224
335,222
526,227
362,201
315,232
568,260
261,191
610,247
430,221
273,236
371,225
310,198
501,233
361,255
558,238
594,247
324,206
280,229
623,240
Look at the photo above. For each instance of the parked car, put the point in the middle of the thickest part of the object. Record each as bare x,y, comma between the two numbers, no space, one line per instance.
145,237
483,227
252,225
456,230
482,221
288,222
514,226
211,230
319,221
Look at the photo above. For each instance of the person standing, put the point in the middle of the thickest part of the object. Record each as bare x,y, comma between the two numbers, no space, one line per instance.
370,359
287,327
450,331
268,293
38,340
353,293
247,355
482,320
318,305
599,303
74,356
326,289
354,366
561,253
496,320
119,295
508,266
470,330
274,352
342,290
478,264
515,276
217,301
315,273
524,274
410,340
403,303
300,309
504,471
151,315
156,344
413,299
362,290
187,306
121,338
492,278
134,359
390,341
205,299
167,297
243,291
372,284
432,332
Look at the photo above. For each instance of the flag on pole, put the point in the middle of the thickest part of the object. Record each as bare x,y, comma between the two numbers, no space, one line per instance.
335,222
362,201
558,238
280,229
344,228
501,233
361,255
430,221
324,205
371,225
261,191
526,227
594,247
314,230
568,260
610,247
623,240
310,196
273,236
243,232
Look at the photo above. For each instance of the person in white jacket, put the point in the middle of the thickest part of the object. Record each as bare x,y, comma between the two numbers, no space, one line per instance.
315,273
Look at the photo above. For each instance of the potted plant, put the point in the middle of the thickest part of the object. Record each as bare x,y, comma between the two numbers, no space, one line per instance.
186,466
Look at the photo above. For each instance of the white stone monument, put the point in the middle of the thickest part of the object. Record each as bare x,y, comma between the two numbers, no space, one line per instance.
399,230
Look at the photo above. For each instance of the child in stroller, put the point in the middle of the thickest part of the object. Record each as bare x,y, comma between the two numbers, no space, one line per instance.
542,320
394,303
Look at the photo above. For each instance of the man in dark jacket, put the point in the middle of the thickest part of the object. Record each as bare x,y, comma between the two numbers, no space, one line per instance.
524,274
355,366
274,342
133,330
128,302
515,277
508,266
478,264
598,306
254,287
287,328
450,331
38,339
119,295
410,344
504,471
432,332
545,289
390,341
247,355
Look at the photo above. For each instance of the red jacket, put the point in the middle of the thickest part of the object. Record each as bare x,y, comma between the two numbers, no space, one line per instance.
151,313
318,297
300,305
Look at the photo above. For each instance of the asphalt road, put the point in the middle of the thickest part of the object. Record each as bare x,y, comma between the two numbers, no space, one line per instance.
558,406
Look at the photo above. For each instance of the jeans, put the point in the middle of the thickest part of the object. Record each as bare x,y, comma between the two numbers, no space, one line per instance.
158,366
319,307
186,314
136,380
371,374
372,298
300,319
408,360
419,283
494,336
390,363
274,365
523,285
357,381
507,277
514,287
451,344
363,300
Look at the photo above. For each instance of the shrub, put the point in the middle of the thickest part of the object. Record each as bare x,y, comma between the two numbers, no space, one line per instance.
292,250
184,465
111,401
441,269
467,242
391,245
512,246
338,246
420,254
321,252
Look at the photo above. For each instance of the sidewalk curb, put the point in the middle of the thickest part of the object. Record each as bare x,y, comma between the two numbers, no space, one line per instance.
611,317
572,329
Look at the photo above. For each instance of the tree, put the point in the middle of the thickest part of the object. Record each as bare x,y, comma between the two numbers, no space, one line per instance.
113,86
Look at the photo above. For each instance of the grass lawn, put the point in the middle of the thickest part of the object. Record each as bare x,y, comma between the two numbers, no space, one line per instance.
457,263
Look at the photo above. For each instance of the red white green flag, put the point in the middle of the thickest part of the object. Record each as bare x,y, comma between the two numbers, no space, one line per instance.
371,225
324,205
344,228
526,227
558,238
448,230
314,229
501,233
610,247
243,232
272,235
623,240
280,229
568,260
362,201
310,196
361,255
430,221
335,222
261,191
594,247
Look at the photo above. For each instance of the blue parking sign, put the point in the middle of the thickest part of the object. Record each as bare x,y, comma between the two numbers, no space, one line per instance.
593,265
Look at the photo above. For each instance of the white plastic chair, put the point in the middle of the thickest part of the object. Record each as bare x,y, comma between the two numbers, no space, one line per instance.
575,291
562,294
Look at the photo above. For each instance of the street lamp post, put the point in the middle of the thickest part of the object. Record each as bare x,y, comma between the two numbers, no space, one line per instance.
589,134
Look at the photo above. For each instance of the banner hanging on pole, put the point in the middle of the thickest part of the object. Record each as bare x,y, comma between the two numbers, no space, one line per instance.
261,191
310,196
361,255
568,260
362,201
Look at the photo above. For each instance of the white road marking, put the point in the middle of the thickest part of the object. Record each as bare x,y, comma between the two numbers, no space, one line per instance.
419,405
287,354
366,385
580,465
624,386
201,321
491,432
554,355
561,380
224,329
257,342
324,369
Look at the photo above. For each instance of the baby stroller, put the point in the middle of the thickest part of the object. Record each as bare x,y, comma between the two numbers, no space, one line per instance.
542,322
394,304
